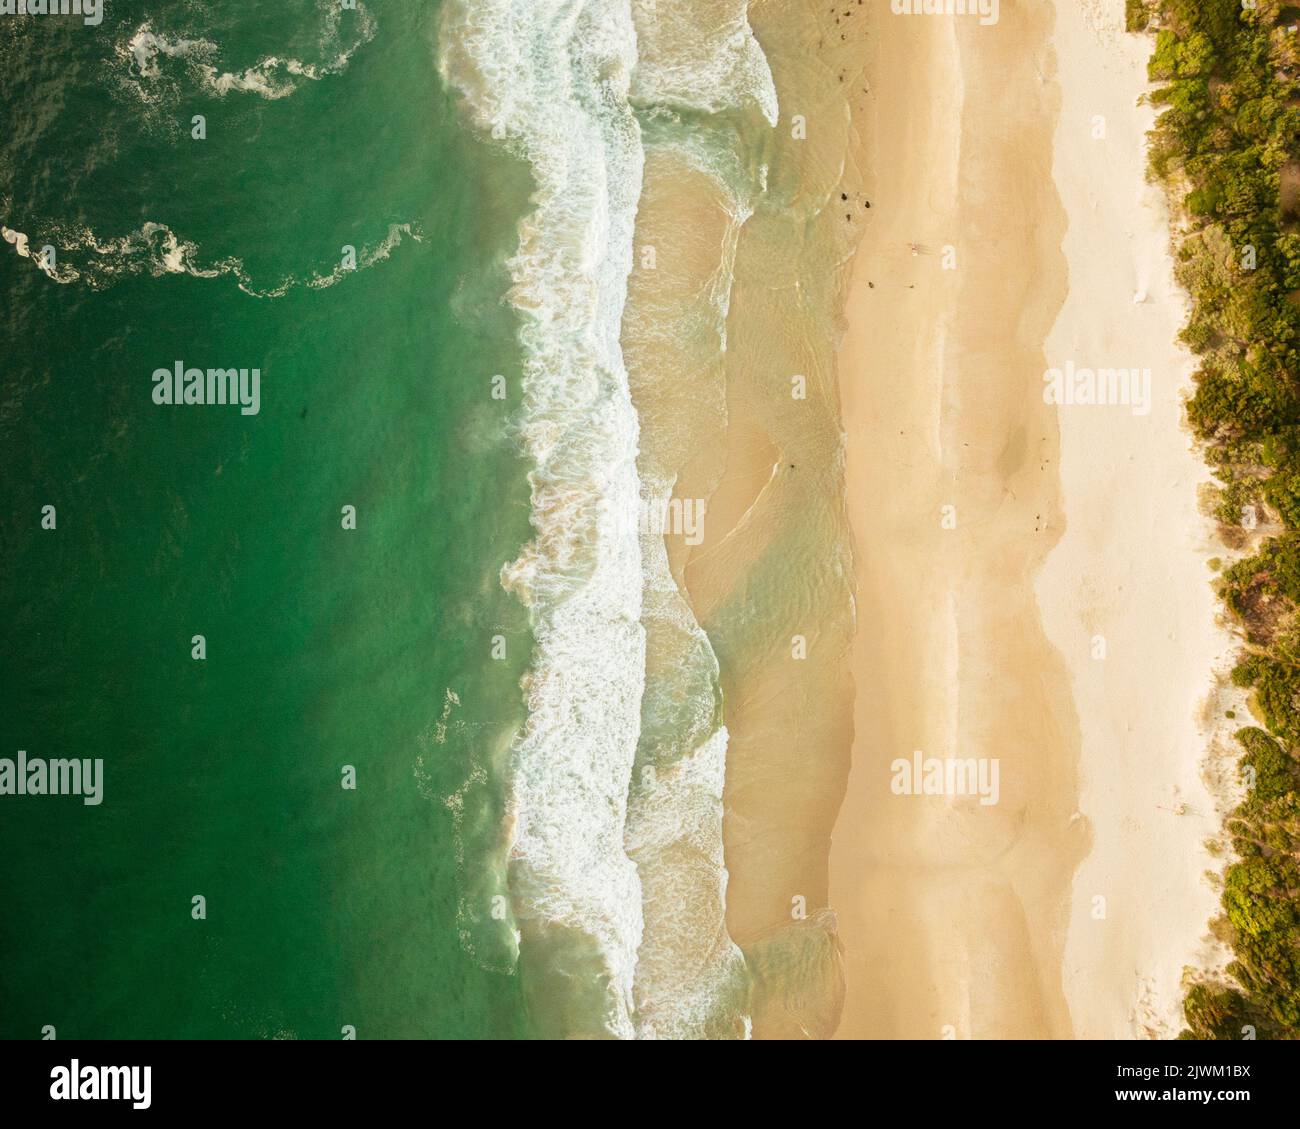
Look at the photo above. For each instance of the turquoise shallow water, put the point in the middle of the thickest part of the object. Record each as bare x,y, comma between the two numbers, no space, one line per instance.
325,647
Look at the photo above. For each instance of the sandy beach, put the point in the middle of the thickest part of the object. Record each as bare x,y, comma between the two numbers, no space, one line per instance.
770,579
1131,570
1003,543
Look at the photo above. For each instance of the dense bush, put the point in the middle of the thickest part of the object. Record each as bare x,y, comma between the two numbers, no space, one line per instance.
1226,145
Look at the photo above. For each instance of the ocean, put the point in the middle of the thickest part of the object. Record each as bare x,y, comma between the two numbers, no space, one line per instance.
412,725
325,647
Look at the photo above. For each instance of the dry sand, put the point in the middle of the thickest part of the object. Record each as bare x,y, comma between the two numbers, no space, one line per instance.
959,919
1131,569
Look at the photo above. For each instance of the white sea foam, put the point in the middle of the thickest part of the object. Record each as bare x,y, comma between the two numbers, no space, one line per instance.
691,978
145,48
487,937
18,240
700,55
272,77
367,257
690,974
156,250
551,79
153,249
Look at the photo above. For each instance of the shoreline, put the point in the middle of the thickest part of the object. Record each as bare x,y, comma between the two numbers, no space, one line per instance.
770,582
1019,566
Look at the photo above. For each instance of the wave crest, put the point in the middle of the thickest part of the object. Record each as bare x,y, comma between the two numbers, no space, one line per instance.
550,79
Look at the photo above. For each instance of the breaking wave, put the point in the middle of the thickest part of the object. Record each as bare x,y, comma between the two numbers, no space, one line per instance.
629,949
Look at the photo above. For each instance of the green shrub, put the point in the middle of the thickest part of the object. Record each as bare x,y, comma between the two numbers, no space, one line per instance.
1229,125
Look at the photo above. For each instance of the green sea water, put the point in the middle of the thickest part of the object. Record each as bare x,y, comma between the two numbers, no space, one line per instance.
325,646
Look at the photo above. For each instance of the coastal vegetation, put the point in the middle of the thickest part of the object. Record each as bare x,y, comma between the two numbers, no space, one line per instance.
1226,147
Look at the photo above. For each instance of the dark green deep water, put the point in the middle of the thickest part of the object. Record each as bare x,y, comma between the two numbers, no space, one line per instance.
325,647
